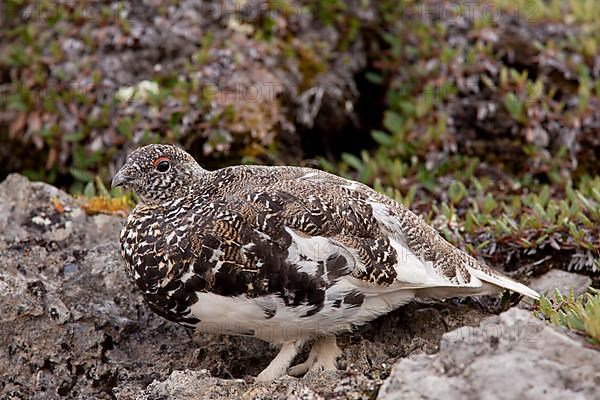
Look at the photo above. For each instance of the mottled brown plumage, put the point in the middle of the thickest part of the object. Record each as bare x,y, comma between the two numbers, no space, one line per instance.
284,254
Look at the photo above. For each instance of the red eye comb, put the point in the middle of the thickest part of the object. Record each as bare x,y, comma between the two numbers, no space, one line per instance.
159,159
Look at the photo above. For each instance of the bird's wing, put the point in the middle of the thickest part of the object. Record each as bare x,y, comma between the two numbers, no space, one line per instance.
331,227
425,258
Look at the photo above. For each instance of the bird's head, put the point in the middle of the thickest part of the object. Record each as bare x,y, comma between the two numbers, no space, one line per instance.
158,172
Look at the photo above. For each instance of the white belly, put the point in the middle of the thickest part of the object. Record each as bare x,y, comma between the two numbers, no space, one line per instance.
245,316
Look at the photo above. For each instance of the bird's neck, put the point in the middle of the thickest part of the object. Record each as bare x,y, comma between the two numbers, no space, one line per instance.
197,186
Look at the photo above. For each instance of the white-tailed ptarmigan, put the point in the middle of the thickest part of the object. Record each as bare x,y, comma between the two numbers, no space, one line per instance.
285,254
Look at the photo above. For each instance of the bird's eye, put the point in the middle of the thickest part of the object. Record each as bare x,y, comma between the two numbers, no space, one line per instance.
163,166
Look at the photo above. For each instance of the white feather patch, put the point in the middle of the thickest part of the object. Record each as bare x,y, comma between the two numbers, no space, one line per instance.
316,248
504,282
307,251
410,268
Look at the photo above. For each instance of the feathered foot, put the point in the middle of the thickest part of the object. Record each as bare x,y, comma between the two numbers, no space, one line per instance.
281,362
322,356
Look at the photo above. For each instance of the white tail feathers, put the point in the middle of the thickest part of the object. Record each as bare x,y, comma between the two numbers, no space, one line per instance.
505,282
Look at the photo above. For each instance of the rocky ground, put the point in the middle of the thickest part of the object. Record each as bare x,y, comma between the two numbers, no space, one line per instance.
509,356
74,327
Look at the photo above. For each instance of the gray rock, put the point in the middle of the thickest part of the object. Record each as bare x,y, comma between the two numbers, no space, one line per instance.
71,324
561,280
509,356
190,385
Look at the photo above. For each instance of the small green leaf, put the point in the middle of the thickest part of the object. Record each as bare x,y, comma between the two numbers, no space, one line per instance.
515,107
382,138
410,196
101,188
393,122
489,204
80,175
353,161
76,136
456,192
374,78
89,190
544,196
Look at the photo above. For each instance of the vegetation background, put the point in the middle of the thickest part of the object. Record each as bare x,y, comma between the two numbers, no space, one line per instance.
482,116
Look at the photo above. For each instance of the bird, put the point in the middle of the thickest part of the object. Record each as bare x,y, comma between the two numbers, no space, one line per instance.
289,255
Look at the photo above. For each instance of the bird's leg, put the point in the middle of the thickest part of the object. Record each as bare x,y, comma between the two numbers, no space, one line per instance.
281,362
302,368
323,355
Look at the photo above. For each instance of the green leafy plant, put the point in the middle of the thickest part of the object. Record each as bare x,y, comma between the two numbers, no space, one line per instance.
581,314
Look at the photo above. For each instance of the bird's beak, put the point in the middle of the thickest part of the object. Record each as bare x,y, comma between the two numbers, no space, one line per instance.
120,178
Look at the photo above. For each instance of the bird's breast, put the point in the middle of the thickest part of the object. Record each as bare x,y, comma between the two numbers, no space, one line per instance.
159,259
